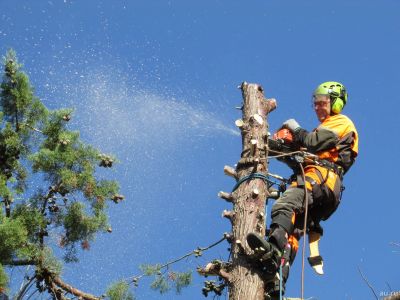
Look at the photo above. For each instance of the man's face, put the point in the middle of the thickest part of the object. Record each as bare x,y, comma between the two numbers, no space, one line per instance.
322,106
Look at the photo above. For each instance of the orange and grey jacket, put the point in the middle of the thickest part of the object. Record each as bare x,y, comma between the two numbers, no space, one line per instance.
334,140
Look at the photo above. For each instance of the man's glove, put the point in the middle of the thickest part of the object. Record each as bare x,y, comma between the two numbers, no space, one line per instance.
292,125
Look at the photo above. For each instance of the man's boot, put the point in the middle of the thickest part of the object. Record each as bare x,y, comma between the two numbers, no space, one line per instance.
272,290
267,254
275,287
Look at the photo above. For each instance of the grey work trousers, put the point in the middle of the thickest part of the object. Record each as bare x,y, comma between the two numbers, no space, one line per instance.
321,205
291,202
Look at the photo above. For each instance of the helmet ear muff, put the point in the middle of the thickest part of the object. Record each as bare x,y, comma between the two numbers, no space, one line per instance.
337,105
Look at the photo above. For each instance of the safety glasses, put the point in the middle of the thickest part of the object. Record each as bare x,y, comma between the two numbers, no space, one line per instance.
320,101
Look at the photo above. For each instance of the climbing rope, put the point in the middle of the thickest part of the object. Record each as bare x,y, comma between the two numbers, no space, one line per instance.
280,282
283,154
253,176
304,229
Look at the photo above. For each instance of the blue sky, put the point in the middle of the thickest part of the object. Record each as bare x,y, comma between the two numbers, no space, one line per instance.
154,82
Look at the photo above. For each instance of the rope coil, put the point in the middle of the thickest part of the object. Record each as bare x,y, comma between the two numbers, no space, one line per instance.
253,176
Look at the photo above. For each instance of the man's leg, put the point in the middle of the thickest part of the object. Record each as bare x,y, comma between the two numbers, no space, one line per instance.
283,216
273,288
282,226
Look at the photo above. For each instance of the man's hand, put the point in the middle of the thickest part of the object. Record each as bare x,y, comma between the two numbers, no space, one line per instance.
291,124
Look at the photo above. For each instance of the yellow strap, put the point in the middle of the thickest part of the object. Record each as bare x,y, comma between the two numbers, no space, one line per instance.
313,240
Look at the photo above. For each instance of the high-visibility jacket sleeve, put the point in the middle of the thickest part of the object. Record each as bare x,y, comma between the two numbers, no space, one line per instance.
335,139
318,140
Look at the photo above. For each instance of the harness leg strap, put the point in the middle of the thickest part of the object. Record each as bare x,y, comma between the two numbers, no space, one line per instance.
315,259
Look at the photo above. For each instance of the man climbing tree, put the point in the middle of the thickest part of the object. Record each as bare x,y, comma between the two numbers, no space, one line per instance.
315,187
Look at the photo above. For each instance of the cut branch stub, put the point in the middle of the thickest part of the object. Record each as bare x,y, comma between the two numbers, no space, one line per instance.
273,193
229,237
117,198
239,123
240,246
230,171
67,117
230,215
267,105
253,145
226,196
258,119
215,268
255,192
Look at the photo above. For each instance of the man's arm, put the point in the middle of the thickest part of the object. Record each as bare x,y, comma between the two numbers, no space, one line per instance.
320,139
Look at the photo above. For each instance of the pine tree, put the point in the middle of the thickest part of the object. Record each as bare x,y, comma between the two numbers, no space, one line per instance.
68,198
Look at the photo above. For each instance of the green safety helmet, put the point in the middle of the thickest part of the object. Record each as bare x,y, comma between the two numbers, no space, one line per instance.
336,92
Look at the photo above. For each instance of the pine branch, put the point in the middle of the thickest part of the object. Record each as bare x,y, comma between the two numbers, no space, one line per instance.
7,206
46,198
31,127
42,232
27,262
56,292
74,291
31,295
367,282
54,282
197,253
16,118
25,288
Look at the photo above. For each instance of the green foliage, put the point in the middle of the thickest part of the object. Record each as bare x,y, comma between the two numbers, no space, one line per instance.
19,106
71,253
32,219
149,270
11,147
16,94
119,291
13,236
79,226
160,284
49,262
36,144
164,281
104,189
182,280
3,278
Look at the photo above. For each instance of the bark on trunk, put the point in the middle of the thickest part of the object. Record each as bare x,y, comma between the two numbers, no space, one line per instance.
396,296
248,200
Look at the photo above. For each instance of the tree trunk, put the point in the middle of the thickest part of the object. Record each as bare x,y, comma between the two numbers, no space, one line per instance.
249,199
